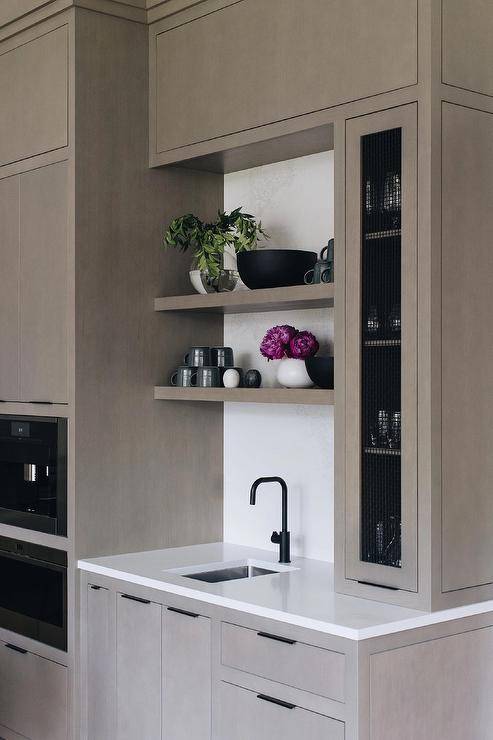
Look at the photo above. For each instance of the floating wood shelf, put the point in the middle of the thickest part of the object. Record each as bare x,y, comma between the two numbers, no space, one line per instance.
252,301
311,396
382,451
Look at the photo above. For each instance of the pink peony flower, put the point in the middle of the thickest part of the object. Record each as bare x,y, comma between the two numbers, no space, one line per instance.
275,344
303,345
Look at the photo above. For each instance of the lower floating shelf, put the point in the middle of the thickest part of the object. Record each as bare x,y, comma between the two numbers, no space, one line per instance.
311,396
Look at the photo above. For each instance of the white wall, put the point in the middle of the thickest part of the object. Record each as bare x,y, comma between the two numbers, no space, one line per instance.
294,200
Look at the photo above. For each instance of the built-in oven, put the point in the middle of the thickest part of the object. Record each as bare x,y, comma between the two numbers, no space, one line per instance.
33,591
33,473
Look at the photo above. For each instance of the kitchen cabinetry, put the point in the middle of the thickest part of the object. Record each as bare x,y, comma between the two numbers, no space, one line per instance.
138,668
281,55
101,662
33,695
9,288
34,319
43,290
187,687
148,669
34,95
381,343
249,715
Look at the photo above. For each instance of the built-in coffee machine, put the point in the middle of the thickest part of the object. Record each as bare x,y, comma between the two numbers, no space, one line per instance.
33,473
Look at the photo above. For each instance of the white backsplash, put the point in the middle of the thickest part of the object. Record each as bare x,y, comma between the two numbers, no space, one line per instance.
294,200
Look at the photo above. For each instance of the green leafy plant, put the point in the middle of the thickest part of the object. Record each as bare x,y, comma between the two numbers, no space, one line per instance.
208,240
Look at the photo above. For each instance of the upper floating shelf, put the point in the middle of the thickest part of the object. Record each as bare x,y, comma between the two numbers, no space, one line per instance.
252,301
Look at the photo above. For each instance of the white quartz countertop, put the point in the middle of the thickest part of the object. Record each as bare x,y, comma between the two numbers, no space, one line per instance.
303,596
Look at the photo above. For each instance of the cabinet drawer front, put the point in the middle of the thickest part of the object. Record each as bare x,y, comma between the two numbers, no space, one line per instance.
246,715
34,95
296,664
33,695
257,62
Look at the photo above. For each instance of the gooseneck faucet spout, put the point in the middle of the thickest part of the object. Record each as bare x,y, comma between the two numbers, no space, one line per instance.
279,538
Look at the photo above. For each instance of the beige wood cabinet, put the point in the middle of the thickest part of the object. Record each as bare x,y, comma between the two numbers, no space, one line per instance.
34,95
252,63
35,253
34,694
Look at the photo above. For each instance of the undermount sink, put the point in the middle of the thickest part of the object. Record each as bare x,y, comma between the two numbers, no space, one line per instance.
232,571
230,574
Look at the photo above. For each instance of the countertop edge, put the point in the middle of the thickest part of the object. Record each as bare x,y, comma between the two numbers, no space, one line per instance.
259,611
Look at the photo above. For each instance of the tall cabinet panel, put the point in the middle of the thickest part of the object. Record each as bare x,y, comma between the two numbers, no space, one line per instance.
138,668
9,289
381,315
44,284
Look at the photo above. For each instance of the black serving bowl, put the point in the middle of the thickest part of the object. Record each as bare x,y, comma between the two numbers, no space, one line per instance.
274,268
321,371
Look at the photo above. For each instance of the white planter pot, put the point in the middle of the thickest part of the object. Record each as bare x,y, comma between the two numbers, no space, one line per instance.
292,373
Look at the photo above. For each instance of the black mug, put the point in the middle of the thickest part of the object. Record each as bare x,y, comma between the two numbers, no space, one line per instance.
184,377
208,377
198,356
222,357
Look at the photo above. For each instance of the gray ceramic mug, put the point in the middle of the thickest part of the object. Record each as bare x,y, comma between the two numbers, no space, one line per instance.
209,377
197,356
184,377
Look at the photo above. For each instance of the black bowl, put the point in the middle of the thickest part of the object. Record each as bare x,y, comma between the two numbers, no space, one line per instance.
274,268
321,371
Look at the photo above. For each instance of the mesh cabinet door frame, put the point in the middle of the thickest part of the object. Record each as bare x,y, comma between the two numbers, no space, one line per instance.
405,575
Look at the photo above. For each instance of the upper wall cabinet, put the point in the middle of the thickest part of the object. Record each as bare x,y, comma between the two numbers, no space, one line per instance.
34,95
467,34
256,62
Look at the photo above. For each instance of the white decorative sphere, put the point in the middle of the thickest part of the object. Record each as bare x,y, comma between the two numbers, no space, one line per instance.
231,378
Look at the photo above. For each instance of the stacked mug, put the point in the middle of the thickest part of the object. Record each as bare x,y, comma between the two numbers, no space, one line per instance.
205,367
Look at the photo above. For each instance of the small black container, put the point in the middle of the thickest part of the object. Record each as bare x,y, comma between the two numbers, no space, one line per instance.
321,371
275,268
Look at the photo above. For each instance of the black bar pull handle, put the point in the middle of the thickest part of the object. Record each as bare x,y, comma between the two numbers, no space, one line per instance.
135,598
182,611
279,702
15,648
286,640
43,403
94,588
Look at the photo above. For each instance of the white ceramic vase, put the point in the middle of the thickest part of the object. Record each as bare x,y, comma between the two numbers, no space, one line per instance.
292,373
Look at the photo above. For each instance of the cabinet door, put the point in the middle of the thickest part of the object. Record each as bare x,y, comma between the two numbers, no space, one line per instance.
186,676
138,669
34,95
255,62
101,664
246,715
381,345
9,289
44,284
33,694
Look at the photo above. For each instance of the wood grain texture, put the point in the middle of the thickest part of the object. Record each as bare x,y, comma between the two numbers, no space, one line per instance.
299,665
244,716
311,396
466,52
138,669
370,58
44,284
252,301
146,474
9,288
467,348
34,695
187,686
34,94
437,689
